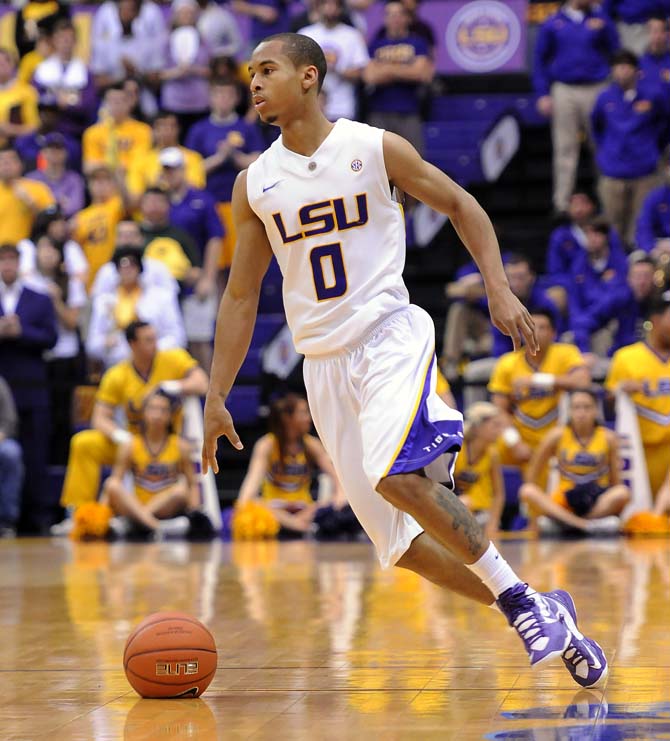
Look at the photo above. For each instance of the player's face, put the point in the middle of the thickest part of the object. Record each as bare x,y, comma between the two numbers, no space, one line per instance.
546,334
157,412
583,410
277,86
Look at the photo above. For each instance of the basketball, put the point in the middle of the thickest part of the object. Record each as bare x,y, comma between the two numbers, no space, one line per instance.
170,654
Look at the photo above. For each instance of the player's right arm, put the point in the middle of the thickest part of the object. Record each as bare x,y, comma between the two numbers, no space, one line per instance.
542,454
235,321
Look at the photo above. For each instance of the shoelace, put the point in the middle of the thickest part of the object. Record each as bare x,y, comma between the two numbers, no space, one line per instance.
526,623
572,655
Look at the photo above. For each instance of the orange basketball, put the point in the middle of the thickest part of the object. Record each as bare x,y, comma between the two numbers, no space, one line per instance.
170,654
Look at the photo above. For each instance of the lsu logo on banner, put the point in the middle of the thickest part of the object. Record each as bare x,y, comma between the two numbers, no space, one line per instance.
483,35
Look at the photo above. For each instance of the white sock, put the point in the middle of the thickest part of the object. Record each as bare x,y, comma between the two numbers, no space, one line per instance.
494,571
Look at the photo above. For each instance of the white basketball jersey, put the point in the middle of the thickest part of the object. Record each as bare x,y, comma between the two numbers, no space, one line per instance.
338,236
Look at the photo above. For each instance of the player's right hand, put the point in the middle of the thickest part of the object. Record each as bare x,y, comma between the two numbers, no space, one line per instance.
218,421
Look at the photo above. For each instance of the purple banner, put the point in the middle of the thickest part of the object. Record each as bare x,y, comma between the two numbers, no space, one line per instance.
473,37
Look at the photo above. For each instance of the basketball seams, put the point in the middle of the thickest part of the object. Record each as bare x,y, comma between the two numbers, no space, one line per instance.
140,629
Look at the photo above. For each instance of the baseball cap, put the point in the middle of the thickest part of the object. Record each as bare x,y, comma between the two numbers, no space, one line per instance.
171,157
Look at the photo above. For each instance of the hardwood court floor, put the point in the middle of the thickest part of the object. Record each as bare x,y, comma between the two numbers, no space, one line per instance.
316,642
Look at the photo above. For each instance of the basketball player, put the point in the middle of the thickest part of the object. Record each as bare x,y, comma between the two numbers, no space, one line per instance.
320,199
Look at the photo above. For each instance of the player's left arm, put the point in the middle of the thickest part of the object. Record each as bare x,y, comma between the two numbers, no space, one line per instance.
615,458
412,174
318,454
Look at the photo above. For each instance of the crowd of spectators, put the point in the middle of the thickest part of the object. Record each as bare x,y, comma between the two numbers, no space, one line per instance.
118,154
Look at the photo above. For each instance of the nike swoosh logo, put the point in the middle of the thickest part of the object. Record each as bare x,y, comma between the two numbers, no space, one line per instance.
270,187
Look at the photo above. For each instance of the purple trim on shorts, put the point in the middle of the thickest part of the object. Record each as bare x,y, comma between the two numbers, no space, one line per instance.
427,440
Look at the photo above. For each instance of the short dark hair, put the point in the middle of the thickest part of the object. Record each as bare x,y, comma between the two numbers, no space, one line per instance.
118,86
156,191
599,224
643,260
592,391
133,328
301,49
658,304
516,258
544,311
162,115
9,248
658,18
625,56
64,24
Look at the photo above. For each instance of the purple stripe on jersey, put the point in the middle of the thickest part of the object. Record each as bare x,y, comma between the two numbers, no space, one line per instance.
426,441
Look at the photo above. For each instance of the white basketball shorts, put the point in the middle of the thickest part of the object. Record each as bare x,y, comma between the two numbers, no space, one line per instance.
377,414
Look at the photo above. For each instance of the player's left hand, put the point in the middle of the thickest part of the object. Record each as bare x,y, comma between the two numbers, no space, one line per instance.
511,317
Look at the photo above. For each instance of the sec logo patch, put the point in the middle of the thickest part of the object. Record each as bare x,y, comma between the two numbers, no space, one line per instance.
356,165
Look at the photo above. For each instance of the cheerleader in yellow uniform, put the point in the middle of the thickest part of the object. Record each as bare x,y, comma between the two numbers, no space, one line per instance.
590,494
164,482
280,469
477,474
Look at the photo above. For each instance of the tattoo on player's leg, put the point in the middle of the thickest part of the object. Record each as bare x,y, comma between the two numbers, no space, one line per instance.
461,517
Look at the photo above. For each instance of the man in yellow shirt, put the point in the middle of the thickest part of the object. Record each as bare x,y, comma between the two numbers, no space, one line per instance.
18,102
20,199
642,370
118,140
124,387
147,171
94,227
528,388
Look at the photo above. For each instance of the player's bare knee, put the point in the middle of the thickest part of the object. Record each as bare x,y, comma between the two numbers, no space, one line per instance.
402,490
526,492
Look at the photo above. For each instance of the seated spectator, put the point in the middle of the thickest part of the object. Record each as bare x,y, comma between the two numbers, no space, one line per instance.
417,27
568,240
167,243
94,227
632,17
29,146
129,41
228,144
154,272
642,371
280,469
653,224
53,224
118,139
163,476
478,479
66,185
27,329
597,270
655,62
18,102
123,388
528,387
590,495
219,28
64,369
467,332
268,17
185,89
132,301
628,304
20,199
66,79
147,171
346,54
629,125
11,464
399,65
32,16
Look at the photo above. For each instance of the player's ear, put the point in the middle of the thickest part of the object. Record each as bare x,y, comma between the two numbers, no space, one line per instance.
310,78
